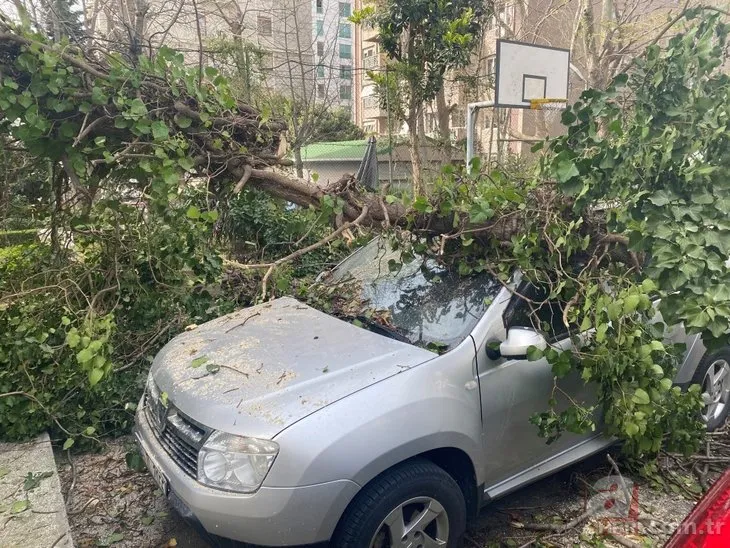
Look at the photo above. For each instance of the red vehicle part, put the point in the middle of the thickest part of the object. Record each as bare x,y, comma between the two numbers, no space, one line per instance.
708,525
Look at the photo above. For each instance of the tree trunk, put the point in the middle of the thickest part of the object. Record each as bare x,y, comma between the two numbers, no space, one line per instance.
444,117
298,164
416,162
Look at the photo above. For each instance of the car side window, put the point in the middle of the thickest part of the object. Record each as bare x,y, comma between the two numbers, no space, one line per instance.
541,314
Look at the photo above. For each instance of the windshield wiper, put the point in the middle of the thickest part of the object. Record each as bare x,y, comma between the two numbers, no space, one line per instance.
381,329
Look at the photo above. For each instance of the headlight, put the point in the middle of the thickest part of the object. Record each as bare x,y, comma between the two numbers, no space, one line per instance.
235,463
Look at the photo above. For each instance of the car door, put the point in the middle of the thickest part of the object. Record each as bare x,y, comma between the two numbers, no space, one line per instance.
512,390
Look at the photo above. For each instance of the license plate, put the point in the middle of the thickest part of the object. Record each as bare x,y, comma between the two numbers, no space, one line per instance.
155,472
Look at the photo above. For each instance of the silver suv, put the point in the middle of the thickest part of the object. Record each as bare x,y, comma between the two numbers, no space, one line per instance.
281,425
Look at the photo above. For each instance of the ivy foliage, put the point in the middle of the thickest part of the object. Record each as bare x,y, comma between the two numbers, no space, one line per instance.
624,223
124,256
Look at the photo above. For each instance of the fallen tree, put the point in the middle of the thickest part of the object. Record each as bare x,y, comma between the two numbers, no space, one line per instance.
624,217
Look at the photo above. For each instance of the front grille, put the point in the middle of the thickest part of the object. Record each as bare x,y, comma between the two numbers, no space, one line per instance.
181,436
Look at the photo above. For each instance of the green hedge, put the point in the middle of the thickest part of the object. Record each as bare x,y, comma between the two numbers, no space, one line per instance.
18,237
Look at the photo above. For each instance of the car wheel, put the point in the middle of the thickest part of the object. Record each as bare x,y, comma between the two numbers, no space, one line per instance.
713,375
415,504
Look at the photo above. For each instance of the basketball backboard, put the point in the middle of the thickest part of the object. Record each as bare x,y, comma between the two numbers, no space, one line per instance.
526,71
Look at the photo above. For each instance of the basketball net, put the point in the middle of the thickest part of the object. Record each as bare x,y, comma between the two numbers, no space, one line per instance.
552,107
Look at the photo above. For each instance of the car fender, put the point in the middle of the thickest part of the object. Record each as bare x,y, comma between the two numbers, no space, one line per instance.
430,406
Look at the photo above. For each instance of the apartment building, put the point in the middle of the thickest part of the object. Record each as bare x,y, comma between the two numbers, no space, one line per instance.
281,34
368,58
542,22
333,35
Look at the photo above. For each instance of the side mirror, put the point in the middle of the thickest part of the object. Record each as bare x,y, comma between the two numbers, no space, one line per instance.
519,339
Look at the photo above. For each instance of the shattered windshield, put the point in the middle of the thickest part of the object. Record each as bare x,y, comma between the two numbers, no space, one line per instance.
424,302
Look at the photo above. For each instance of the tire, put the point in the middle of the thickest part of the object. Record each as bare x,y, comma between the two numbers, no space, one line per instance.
412,486
717,396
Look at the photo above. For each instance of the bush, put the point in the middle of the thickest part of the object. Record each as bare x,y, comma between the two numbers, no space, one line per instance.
79,328
16,237
260,228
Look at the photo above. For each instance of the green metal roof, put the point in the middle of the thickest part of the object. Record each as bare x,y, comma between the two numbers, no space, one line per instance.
339,151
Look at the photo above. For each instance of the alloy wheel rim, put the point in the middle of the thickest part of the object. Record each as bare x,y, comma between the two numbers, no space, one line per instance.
715,390
420,522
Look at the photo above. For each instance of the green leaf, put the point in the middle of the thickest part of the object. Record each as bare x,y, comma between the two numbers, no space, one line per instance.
641,397
68,443
32,481
160,132
19,506
85,356
193,212
111,539
197,362
566,170
534,353
657,345
134,461
662,197
186,163
95,375
137,108
630,304
73,338
631,429
183,121
614,310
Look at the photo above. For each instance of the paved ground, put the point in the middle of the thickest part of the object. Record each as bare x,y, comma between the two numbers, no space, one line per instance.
32,510
110,505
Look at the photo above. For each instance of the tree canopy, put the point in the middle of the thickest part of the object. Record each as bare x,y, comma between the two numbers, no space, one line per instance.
623,218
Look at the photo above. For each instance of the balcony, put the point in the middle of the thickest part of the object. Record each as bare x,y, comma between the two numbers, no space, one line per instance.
371,107
371,62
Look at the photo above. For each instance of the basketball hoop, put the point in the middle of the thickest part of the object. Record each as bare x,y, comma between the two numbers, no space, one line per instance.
552,108
548,103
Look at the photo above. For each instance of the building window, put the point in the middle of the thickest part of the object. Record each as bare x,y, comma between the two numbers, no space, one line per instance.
320,71
320,91
491,70
320,48
457,118
345,9
491,65
320,27
346,72
264,25
345,51
267,61
369,59
506,17
346,92
345,30
320,7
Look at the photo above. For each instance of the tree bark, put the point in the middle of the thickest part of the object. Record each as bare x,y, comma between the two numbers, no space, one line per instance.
298,163
415,150
443,112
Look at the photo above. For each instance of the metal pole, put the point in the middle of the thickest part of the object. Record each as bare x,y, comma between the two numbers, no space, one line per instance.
471,109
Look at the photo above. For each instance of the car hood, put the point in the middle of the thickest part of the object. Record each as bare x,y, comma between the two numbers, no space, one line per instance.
256,371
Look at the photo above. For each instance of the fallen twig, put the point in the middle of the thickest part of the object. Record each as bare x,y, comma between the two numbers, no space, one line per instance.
562,528
241,324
